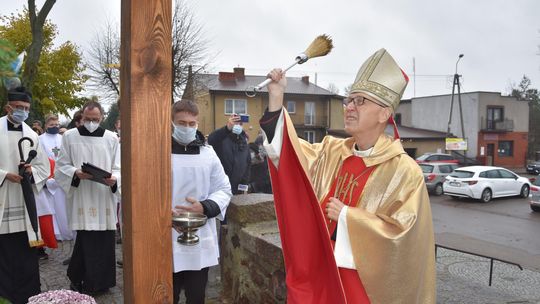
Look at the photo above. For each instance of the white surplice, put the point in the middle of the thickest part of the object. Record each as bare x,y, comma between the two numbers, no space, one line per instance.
11,197
52,144
202,177
91,205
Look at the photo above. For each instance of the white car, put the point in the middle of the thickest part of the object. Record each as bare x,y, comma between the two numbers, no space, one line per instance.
485,183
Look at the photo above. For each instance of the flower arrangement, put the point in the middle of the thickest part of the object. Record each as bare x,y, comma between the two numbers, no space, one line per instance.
61,297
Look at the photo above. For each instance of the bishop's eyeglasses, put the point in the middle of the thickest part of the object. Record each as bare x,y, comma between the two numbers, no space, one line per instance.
360,101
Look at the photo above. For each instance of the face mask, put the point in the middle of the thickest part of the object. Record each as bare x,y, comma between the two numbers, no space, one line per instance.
91,126
237,129
53,130
19,115
184,135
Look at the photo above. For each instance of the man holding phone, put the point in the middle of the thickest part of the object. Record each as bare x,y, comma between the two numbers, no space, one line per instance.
231,145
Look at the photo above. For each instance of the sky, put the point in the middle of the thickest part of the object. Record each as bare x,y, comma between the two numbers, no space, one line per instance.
499,38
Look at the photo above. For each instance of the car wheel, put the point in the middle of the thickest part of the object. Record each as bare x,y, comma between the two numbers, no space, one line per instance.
438,190
535,208
486,196
524,191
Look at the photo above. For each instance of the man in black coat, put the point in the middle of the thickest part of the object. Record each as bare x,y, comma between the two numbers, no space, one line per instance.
231,146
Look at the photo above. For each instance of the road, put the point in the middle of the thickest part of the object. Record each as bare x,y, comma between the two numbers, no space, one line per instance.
505,228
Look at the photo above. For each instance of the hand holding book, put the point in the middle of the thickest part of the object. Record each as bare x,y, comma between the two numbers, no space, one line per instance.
98,175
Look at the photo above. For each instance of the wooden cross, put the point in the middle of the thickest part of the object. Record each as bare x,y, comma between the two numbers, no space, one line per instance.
145,77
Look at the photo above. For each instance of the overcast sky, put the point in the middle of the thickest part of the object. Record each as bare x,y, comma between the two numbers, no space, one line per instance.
499,38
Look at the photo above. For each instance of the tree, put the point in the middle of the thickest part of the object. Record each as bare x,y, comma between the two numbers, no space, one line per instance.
60,68
189,48
333,88
37,24
523,91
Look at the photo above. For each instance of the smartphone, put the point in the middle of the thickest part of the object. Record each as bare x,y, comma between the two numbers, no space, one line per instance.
244,118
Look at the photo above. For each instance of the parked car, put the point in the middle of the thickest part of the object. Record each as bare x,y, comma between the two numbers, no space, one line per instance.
436,157
434,175
485,183
533,168
535,199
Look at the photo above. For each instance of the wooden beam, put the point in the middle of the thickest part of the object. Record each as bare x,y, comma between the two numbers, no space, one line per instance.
145,107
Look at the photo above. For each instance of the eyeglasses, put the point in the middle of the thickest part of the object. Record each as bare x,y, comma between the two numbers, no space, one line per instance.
24,108
360,101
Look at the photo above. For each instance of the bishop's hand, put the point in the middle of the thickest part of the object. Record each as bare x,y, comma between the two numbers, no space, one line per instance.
276,89
333,208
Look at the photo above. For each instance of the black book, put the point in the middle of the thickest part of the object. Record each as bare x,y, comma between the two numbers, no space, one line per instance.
98,175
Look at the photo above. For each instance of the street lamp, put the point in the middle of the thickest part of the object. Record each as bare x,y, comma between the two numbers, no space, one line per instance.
459,58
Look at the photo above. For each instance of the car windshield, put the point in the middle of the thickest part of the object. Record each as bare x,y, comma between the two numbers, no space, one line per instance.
462,174
537,181
423,157
426,168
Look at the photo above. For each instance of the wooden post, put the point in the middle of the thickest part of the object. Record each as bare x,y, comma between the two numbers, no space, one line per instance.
145,107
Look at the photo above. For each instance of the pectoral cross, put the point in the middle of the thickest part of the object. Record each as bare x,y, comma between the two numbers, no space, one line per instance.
56,151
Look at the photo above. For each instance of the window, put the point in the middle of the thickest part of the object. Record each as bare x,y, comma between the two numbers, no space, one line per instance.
309,113
506,148
309,136
291,107
494,114
446,168
493,174
462,174
426,168
238,106
506,174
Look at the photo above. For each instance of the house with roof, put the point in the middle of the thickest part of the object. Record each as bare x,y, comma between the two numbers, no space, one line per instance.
313,110
495,126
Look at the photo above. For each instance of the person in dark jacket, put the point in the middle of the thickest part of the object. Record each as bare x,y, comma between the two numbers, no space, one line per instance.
260,178
231,146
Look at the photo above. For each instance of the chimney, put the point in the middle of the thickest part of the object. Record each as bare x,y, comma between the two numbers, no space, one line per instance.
305,79
239,73
226,76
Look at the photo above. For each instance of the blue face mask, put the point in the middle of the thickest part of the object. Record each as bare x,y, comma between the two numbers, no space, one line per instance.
19,115
237,129
184,135
53,130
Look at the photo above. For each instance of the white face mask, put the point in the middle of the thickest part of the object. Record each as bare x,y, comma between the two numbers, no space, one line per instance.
91,126
184,135
237,129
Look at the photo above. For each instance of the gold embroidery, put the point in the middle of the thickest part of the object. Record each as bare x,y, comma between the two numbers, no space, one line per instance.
80,211
108,212
93,211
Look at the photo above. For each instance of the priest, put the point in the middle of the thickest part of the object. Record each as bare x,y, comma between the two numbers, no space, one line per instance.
19,268
358,206
91,204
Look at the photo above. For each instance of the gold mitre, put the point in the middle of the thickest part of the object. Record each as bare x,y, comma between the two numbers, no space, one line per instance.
381,78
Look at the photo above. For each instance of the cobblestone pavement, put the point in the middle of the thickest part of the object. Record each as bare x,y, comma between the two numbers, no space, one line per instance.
461,278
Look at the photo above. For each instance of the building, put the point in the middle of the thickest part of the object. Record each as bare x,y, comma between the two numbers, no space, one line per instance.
312,109
496,127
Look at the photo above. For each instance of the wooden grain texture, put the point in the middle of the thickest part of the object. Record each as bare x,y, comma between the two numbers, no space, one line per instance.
145,108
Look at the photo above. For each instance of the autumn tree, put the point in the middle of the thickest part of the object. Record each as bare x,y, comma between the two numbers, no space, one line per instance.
189,49
58,75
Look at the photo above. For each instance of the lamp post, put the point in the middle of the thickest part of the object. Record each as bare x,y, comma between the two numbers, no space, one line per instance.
457,84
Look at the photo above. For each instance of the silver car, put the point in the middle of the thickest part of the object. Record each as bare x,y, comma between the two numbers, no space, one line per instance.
434,175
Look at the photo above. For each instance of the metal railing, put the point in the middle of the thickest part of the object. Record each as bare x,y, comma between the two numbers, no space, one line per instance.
505,125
